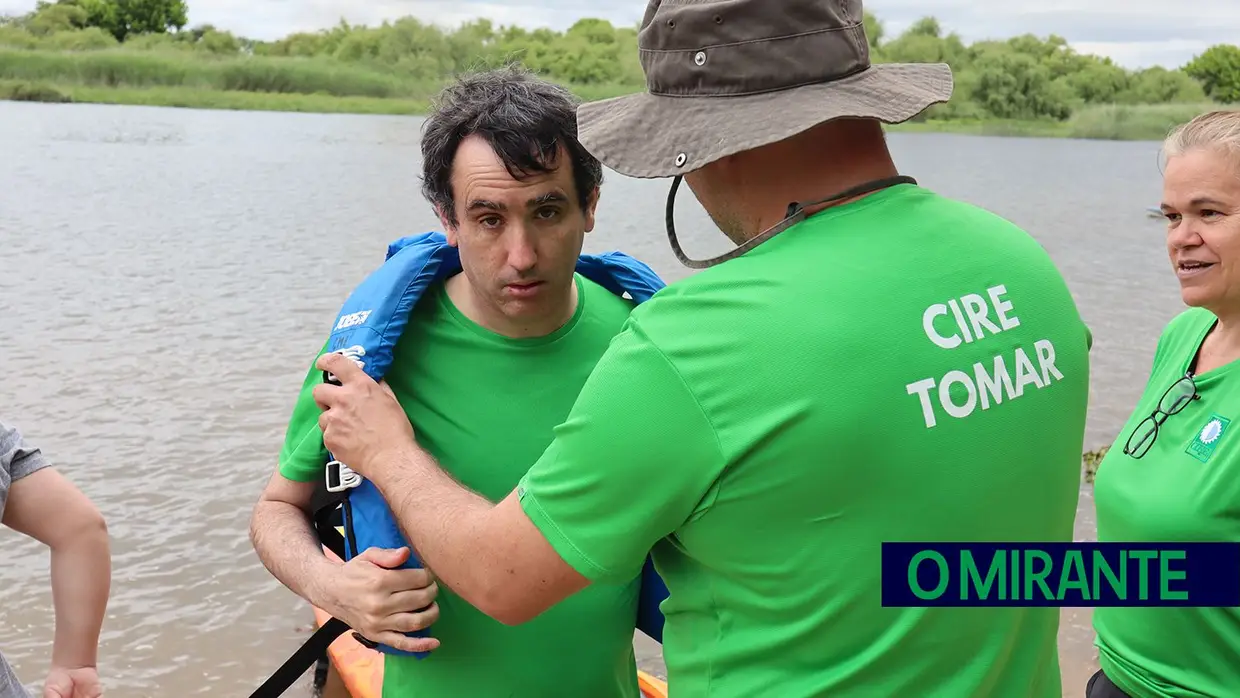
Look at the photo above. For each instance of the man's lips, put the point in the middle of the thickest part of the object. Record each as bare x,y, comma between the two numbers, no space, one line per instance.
528,288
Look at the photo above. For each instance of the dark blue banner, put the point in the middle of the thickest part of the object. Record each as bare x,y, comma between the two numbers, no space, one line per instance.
1061,574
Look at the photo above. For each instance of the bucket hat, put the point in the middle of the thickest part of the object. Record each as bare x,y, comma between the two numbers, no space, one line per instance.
725,76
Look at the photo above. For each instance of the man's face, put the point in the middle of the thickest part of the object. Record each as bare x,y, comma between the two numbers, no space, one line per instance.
518,239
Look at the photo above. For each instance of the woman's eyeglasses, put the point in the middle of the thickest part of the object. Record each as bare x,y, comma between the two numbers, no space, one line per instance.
1174,400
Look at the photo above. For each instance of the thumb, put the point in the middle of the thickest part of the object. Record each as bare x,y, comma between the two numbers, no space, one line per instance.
386,557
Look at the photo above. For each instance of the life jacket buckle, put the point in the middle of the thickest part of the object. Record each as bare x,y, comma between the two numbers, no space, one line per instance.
341,477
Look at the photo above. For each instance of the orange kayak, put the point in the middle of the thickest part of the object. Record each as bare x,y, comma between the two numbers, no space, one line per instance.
361,669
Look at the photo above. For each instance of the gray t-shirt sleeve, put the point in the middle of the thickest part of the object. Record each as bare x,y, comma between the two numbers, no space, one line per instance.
18,458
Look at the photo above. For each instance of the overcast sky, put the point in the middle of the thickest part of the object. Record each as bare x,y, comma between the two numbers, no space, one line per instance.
1136,33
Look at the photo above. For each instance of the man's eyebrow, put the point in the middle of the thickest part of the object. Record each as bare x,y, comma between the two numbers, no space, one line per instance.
484,204
551,197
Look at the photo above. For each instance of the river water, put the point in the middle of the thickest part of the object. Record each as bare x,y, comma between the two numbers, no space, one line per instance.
165,275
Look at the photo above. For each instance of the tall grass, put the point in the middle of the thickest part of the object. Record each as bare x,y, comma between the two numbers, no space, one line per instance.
22,91
1147,122
1140,122
192,98
146,69
121,68
171,77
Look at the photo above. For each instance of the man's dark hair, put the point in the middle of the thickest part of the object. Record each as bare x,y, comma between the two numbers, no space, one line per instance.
525,120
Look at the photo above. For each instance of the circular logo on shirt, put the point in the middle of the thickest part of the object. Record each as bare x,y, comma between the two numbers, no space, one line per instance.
1211,431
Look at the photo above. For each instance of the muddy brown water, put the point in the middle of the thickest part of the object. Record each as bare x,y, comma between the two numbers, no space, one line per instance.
165,273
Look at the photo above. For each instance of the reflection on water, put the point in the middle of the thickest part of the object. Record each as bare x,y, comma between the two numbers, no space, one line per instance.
168,274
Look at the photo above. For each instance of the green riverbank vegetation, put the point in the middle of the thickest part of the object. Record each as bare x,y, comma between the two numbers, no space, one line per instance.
141,52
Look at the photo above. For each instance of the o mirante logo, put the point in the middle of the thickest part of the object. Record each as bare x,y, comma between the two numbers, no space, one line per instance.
1061,574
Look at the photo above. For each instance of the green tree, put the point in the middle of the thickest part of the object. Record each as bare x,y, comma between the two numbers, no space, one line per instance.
1218,71
1014,85
1022,77
873,29
594,31
1098,81
50,18
1158,85
121,18
926,26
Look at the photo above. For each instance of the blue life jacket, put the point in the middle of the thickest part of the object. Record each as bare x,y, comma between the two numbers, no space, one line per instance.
367,329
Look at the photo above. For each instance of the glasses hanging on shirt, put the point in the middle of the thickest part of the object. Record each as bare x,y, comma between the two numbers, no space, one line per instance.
1173,401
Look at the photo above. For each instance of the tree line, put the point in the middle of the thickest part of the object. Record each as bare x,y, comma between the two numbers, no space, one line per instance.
1023,77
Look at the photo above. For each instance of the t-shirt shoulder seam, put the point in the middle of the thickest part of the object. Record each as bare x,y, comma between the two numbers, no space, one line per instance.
600,306
1185,325
1193,318
292,462
714,432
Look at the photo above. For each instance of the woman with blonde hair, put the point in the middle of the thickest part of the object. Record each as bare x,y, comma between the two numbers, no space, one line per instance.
1173,473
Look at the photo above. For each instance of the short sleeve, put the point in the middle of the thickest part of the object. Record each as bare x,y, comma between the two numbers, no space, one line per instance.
636,458
17,456
303,454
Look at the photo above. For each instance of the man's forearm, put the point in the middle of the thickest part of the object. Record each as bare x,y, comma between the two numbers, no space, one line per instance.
289,548
447,525
81,570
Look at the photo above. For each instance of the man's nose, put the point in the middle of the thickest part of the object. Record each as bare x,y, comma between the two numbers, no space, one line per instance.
521,254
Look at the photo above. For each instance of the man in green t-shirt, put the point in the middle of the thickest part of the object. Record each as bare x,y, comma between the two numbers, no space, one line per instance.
875,363
491,361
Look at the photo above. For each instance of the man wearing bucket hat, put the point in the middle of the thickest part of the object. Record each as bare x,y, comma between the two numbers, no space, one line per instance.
874,363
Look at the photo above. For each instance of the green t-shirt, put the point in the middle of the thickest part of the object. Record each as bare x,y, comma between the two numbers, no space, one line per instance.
486,406
1185,488
760,426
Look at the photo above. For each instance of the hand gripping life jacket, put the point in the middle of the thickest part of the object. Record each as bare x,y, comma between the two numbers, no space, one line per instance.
367,329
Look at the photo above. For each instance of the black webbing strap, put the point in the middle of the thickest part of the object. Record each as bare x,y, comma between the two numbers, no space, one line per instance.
325,525
304,658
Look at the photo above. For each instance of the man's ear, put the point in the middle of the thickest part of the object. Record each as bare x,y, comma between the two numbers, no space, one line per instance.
591,207
449,230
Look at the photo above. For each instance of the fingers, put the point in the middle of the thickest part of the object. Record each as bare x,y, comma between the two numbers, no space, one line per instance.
325,396
341,367
58,685
400,580
403,642
411,600
385,557
412,622
392,577
344,370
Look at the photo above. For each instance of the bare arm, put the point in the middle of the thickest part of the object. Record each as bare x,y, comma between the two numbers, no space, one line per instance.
492,555
366,593
286,542
515,559
81,559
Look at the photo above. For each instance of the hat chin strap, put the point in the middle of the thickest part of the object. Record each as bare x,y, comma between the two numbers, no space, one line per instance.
795,214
